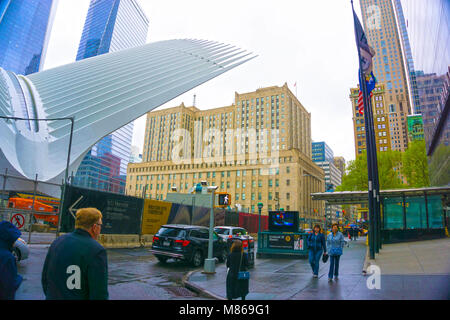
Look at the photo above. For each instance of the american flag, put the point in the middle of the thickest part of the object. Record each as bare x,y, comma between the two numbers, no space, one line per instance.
361,103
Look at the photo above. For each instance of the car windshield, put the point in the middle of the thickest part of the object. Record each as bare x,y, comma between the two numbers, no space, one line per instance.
172,232
221,230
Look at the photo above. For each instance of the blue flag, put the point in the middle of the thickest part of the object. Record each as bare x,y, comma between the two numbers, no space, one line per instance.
371,82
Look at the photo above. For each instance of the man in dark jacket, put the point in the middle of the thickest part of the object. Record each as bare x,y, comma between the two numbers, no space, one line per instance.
76,266
9,279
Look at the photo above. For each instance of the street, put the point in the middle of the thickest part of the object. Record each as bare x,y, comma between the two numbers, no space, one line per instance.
133,274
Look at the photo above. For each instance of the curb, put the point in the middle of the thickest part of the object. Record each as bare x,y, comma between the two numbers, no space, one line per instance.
198,289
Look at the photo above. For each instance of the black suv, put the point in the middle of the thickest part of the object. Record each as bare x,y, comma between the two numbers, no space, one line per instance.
188,243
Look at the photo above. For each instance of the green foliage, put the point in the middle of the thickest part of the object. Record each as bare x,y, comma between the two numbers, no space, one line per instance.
412,164
439,166
415,165
389,165
356,175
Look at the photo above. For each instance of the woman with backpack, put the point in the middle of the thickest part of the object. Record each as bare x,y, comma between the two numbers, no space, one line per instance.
316,246
237,276
335,244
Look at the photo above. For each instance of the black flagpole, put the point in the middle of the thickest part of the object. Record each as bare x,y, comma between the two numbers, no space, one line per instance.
369,149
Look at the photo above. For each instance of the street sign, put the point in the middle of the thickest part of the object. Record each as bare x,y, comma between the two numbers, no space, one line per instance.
18,220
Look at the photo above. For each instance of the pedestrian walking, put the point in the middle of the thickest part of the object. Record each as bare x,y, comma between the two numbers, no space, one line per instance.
317,247
237,264
9,279
335,244
76,265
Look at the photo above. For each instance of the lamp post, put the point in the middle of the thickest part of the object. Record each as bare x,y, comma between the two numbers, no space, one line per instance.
210,263
260,206
66,174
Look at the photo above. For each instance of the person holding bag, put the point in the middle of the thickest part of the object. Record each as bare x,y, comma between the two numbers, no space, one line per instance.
335,244
237,276
316,246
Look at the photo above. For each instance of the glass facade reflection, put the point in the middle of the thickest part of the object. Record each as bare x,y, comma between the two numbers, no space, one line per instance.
428,27
25,27
111,25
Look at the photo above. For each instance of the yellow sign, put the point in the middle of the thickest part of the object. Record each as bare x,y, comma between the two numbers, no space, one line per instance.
155,214
288,238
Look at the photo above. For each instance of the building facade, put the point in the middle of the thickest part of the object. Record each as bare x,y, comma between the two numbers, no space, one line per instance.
415,127
429,32
385,123
258,150
431,92
25,27
383,33
321,152
323,156
339,162
111,25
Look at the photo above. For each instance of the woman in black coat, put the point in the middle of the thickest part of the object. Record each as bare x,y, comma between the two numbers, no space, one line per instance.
236,288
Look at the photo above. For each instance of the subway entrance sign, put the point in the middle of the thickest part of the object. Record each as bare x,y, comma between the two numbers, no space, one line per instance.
284,237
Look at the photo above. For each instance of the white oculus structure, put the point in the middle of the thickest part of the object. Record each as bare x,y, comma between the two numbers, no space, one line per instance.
102,93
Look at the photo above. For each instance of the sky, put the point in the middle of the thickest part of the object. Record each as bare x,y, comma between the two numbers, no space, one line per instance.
307,42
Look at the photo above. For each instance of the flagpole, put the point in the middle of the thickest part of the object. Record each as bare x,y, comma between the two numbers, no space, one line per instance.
369,147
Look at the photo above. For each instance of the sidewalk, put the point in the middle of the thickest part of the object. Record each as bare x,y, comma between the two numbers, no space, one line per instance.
431,257
282,279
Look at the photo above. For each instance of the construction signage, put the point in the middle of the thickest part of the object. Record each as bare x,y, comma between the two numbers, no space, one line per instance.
155,214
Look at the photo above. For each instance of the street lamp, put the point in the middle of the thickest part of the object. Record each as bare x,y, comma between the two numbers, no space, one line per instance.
210,263
260,206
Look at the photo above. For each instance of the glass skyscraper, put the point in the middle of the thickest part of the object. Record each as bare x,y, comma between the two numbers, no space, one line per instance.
25,27
384,35
428,26
111,25
322,152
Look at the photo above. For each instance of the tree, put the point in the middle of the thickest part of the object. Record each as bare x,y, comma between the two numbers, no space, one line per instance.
439,166
356,176
415,165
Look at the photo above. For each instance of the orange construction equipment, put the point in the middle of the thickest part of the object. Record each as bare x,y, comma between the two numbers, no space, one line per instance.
27,204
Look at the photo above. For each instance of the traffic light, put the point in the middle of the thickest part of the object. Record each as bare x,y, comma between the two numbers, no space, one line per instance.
224,199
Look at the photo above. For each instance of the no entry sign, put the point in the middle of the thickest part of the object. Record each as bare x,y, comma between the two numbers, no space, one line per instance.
18,220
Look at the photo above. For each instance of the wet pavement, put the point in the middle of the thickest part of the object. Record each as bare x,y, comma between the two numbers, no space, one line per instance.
283,279
418,270
134,274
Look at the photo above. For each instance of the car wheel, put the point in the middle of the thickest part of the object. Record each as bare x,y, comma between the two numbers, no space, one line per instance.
223,256
197,259
16,253
162,259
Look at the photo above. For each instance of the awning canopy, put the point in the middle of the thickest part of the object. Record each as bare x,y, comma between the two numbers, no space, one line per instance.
361,197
